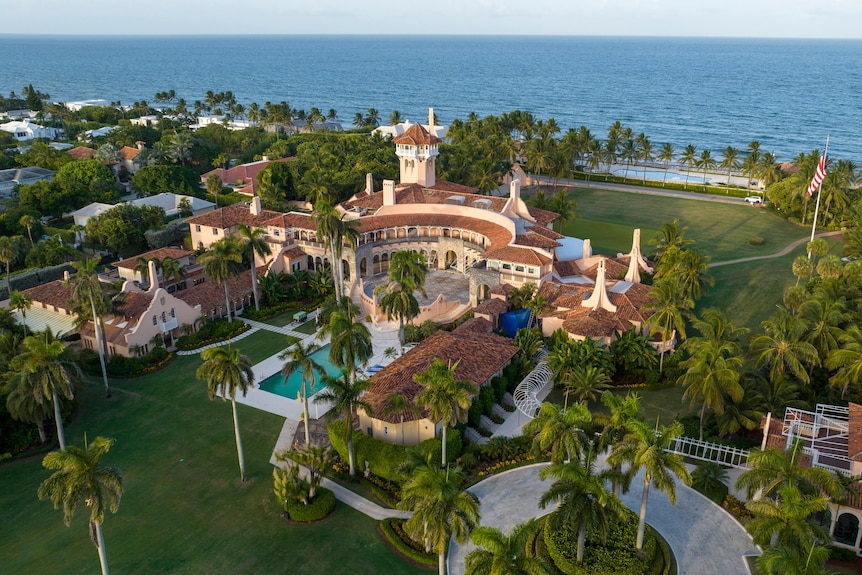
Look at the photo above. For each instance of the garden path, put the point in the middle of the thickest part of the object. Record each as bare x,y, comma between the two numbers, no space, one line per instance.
784,252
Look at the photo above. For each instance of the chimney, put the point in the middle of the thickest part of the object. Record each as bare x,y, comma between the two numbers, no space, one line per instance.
369,183
140,144
431,120
388,192
599,297
254,208
264,158
587,251
154,276
515,190
66,276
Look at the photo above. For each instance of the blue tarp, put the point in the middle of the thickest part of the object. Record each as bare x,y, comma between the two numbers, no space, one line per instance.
512,321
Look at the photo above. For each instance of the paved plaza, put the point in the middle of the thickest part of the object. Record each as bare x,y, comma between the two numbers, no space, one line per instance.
452,284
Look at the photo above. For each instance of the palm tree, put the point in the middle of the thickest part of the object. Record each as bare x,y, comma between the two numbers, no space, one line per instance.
395,118
715,363
705,162
708,476
669,236
559,430
79,477
631,350
647,448
668,306
666,154
787,519
399,302
770,470
645,153
688,268
588,382
345,394
88,289
688,158
407,271
446,398
8,253
172,269
28,222
729,162
301,358
441,510
21,302
792,560
316,459
225,372
335,230
847,360
825,318
782,348
253,244
222,261
350,340
802,267
565,207
26,402
581,498
614,429
503,554
181,147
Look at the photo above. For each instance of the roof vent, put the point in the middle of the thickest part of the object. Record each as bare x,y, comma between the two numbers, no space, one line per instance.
454,200
482,204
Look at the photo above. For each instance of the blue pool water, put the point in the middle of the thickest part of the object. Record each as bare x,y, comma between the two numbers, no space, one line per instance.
289,388
693,178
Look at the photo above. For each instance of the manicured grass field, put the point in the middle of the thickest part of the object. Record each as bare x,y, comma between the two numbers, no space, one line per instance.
721,230
665,404
263,344
184,509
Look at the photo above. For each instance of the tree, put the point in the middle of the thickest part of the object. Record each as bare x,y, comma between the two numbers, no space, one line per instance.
226,371
401,303
345,394
315,459
646,448
559,430
802,267
121,229
253,244
588,382
28,222
80,477
8,253
335,230
25,397
705,162
153,180
182,144
666,154
350,341
791,560
729,162
441,510
688,158
632,350
222,261
668,306
503,554
770,470
787,519
88,291
565,207
301,358
21,302
708,476
782,348
407,271
446,398
581,498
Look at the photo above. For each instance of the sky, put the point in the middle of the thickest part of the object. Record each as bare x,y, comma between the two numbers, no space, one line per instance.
703,18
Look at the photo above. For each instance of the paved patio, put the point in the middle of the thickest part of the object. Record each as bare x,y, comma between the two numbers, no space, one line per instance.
453,284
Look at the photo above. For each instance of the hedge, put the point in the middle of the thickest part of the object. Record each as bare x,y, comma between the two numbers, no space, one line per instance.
616,556
385,458
212,332
122,366
34,277
318,508
392,531
271,311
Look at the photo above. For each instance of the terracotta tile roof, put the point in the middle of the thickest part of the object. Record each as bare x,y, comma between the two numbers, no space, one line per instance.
157,254
291,220
534,240
474,325
55,293
542,217
613,270
416,135
548,233
244,172
294,253
519,255
210,295
492,306
416,194
479,356
446,186
113,334
133,304
497,235
568,268
230,216
129,153
596,323
81,153
503,289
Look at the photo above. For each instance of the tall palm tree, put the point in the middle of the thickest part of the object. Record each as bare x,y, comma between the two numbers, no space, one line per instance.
222,261
770,470
614,428
705,162
88,291
40,369
253,244
181,147
226,371
79,477
504,554
399,302
559,430
446,398
345,394
28,222
631,350
21,302
669,236
26,403
8,253
688,158
666,154
792,560
172,269
669,307
846,360
787,519
335,230
565,207
647,448
441,509
350,340
301,358
729,162
782,348
407,271
581,498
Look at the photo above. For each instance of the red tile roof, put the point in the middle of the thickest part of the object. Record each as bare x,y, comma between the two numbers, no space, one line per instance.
157,254
81,153
292,220
294,253
416,135
534,240
596,323
244,172
55,293
519,255
210,295
129,153
492,306
230,216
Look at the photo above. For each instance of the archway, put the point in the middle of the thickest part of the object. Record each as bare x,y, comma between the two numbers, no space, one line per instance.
451,259
375,265
384,264
345,270
484,292
363,267
847,529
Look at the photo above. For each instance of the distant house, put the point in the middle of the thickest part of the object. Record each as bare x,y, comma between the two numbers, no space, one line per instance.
85,214
81,153
25,130
99,132
129,157
230,124
21,177
167,201
242,178
398,129
126,269
77,105
147,121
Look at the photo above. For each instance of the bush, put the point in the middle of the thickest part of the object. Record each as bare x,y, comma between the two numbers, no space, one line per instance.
841,554
496,418
385,458
212,332
499,385
737,508
474,414
278,309
756,241
121,366
486,399
393,531
318,508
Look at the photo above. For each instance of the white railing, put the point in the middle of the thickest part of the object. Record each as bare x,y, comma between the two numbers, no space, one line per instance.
708,451
169,325
526,394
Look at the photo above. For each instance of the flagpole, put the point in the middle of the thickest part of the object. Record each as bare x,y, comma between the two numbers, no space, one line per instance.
817,205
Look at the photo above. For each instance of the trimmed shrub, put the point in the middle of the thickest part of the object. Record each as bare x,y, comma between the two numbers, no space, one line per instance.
385,458
474,414
393,532
278,309
737,508
499,385
120,366
212,332
486,399
756,241
318,508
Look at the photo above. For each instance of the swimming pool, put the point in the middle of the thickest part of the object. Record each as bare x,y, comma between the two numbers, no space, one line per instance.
693,178
276,383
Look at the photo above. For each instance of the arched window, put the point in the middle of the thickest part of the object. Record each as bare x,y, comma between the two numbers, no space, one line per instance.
173,313
164,318
155,320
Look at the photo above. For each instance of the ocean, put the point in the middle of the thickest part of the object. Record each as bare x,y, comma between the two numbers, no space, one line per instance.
787,94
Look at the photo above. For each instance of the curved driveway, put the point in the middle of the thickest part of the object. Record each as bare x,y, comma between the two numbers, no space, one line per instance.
705,539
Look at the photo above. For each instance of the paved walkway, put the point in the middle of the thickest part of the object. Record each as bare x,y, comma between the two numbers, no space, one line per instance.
784,252
244,334
705,539
635,189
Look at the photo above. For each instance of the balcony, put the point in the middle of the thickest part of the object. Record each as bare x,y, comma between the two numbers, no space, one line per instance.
169,325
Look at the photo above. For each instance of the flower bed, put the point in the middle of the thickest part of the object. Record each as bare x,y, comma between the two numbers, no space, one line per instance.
318,508
393,532
212,332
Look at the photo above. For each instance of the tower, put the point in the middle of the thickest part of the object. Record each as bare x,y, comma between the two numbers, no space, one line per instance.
417,152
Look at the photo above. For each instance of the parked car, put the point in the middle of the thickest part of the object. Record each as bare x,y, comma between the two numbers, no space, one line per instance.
754,200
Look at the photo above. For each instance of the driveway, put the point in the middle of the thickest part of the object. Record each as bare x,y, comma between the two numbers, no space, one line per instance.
705,539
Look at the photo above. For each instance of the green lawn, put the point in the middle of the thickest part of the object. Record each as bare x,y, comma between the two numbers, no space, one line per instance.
665,404
263,344
184,509
721,230
307,328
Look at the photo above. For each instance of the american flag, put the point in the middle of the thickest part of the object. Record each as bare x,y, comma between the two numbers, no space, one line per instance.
819,174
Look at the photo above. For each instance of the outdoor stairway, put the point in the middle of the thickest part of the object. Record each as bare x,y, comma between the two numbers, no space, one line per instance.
474,436
498,409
